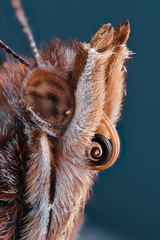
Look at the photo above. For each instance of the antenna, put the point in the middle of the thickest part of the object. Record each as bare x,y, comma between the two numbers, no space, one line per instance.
25,27
15,55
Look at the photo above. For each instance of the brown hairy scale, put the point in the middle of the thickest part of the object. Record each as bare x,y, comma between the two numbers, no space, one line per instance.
58,111
103,39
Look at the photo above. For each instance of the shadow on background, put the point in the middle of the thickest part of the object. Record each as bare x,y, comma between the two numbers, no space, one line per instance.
126,199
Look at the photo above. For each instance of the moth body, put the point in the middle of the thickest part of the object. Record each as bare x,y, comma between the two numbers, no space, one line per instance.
57,111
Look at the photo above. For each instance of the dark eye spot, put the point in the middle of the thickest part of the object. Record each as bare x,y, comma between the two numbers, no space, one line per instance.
37,84
55,84
53,98
54,112
35,95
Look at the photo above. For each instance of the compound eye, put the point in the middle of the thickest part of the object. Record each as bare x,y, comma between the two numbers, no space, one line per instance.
50,97
100,151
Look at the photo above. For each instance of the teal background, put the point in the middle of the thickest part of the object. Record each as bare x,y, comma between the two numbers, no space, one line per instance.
126,198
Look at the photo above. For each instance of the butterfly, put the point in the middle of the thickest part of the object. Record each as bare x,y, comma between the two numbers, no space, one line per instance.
58,115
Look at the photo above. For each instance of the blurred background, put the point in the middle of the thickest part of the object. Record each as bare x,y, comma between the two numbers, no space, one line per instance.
126,198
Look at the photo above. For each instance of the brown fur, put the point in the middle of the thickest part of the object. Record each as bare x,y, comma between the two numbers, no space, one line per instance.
45,180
